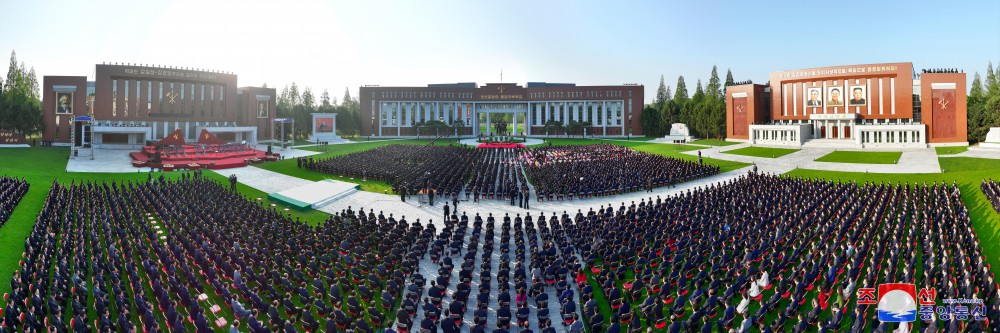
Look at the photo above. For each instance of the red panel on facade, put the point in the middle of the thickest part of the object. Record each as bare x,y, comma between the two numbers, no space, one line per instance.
740,125
943,106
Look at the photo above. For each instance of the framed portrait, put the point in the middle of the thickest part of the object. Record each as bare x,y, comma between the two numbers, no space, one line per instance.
814,97
64,103
834,96
324,125
263,109
857,96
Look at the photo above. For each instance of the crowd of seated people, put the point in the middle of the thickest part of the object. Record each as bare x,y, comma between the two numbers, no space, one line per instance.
11,192
511,280
187,255
562,172
415,168
992,191
759,253
774,254
755,253
497,174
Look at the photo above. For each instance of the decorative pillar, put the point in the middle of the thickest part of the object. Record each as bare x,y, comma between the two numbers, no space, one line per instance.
513,129
489,129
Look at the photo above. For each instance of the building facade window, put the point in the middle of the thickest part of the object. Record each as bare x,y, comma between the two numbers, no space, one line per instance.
114,98
126,98
183,99
149,96
211,110
159,106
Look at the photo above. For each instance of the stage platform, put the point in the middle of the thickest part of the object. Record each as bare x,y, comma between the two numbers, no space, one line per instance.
211,160
314,195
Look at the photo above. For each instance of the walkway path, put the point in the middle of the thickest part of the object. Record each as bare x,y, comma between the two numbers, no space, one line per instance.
976,152
911,161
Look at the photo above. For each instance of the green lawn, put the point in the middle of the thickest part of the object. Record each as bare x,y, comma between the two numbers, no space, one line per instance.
951,150
967,172
865,157
762,152
714,142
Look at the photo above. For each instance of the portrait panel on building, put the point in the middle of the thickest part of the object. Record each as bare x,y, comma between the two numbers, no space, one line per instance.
64,102
262,109
858,96
814,97
835,96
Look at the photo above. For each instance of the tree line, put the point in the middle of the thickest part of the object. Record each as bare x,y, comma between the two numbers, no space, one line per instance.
704,112
20,102
300,105
984,104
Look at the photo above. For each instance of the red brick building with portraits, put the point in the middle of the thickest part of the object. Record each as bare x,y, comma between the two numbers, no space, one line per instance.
875,105
132,104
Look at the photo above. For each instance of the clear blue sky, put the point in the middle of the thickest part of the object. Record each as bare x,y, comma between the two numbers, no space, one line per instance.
334,44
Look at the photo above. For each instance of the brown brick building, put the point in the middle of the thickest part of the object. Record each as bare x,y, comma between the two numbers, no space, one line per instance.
874,105
133,104
393,111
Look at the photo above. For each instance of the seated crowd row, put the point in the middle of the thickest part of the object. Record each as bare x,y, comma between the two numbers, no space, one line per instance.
12,190
557,172
756,253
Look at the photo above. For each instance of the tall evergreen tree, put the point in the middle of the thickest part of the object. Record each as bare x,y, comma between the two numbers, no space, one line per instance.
294,96
699,93
308,100
284,100
33,84
992,81
729,77
977,90
714,89
324,99
13,70
347,96
661,93
20,108
682,92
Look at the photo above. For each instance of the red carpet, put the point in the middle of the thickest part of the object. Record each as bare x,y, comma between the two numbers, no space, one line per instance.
220,160
500,145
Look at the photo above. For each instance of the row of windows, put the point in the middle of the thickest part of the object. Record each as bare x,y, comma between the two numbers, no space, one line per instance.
171,97
534,95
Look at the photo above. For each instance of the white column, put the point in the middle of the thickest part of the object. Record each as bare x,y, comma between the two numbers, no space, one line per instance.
489,130
566,112
513,129
409,113
538,114
446,113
